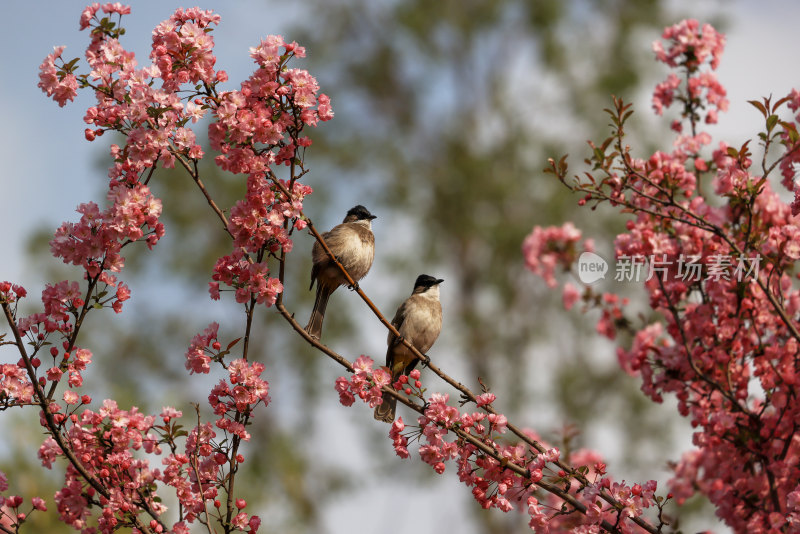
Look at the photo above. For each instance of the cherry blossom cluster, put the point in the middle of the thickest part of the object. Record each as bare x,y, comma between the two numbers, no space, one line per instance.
105,444
15,385
203,348
257,128
726,347
11,514
261,124
234,401
95,241
130,100
258,223
63,303
548,248
59,83
253,128
690,46
200,474
495,485
11,292
365,383
445,433
249,280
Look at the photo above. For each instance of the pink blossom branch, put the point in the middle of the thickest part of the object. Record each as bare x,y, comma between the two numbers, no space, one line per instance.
193,463
524,473
53,427
79,318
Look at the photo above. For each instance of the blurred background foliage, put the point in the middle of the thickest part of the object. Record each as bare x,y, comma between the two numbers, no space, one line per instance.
446,113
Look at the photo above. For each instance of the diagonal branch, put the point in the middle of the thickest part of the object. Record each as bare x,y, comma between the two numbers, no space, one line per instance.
484,447
468,393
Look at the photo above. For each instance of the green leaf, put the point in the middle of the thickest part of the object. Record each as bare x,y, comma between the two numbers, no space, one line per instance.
772,120
71,65
790,130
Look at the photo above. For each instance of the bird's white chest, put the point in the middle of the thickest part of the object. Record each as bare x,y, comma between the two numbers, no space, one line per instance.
423,321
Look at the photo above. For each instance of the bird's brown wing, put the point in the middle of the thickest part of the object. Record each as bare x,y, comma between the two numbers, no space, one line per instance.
397,322
318,257
399,358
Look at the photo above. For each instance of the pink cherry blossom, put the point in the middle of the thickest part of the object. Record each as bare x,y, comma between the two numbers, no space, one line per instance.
546,248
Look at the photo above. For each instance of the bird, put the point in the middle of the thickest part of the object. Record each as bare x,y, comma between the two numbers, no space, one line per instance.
353,244
419,320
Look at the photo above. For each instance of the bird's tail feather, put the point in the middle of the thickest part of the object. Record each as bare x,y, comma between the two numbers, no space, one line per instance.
385,411
314,326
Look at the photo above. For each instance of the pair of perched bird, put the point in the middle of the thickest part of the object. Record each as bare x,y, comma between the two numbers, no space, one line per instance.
419,317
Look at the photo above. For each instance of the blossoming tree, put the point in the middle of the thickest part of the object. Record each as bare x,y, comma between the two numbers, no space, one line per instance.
714,339
716,247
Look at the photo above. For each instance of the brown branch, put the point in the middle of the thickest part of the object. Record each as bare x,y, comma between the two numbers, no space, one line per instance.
193,172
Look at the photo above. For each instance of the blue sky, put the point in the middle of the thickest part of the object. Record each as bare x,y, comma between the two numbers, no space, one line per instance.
48,168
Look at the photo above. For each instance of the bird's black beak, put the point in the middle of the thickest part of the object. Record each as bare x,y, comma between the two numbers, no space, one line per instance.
439,281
